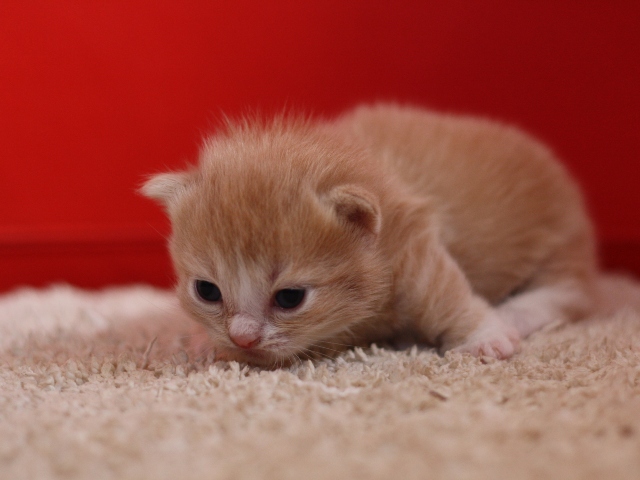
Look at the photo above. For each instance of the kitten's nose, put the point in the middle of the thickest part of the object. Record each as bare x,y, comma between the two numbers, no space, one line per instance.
245,341
244,332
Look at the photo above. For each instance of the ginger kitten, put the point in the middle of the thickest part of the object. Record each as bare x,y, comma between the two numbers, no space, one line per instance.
295,238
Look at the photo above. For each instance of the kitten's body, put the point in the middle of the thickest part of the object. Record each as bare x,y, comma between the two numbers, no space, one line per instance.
466,232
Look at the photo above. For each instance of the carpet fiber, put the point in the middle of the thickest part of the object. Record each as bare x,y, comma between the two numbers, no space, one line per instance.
85,392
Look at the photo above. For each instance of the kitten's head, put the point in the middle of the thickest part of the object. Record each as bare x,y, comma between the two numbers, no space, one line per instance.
275,241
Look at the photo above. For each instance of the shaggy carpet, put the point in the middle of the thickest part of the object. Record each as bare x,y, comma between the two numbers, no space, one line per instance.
86,392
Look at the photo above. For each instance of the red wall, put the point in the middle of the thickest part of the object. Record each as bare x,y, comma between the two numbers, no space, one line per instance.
95,95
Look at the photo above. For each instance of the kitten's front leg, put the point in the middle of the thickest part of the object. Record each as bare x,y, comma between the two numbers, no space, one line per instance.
435,295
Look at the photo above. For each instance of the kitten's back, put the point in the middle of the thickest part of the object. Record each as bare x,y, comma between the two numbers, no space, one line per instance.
493,187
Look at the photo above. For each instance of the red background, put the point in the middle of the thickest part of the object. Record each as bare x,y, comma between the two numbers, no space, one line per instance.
95,95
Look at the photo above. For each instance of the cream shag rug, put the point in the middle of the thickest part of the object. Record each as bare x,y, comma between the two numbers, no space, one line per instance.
85,394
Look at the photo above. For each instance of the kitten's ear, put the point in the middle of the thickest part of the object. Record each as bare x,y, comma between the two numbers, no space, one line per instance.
358,207
165,188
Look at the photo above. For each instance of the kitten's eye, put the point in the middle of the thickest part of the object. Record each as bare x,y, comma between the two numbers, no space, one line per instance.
289,297
208,291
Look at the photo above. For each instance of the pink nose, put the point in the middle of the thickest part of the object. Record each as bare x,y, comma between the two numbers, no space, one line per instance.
246,340
245,331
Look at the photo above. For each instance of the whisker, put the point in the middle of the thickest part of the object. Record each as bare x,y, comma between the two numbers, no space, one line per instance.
312,352
328,349
347,345
298,358
303,353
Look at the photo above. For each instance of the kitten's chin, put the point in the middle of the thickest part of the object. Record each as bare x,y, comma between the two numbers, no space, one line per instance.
257,357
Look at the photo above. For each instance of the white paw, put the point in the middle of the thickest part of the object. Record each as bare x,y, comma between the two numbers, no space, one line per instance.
493,338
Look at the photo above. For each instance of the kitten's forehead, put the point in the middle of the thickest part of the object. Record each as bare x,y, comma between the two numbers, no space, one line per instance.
260,221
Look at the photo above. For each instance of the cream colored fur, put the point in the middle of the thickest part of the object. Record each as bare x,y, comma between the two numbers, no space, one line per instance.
466,232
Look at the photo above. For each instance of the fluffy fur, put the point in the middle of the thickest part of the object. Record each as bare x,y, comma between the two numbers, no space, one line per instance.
467,233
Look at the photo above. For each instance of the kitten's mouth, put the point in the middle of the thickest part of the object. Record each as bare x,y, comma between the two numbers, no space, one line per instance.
253,356
273,356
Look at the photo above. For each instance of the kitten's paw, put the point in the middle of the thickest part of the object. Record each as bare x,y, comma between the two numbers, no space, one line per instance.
493,338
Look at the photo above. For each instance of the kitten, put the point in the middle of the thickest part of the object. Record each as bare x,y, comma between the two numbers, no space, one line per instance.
295,239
